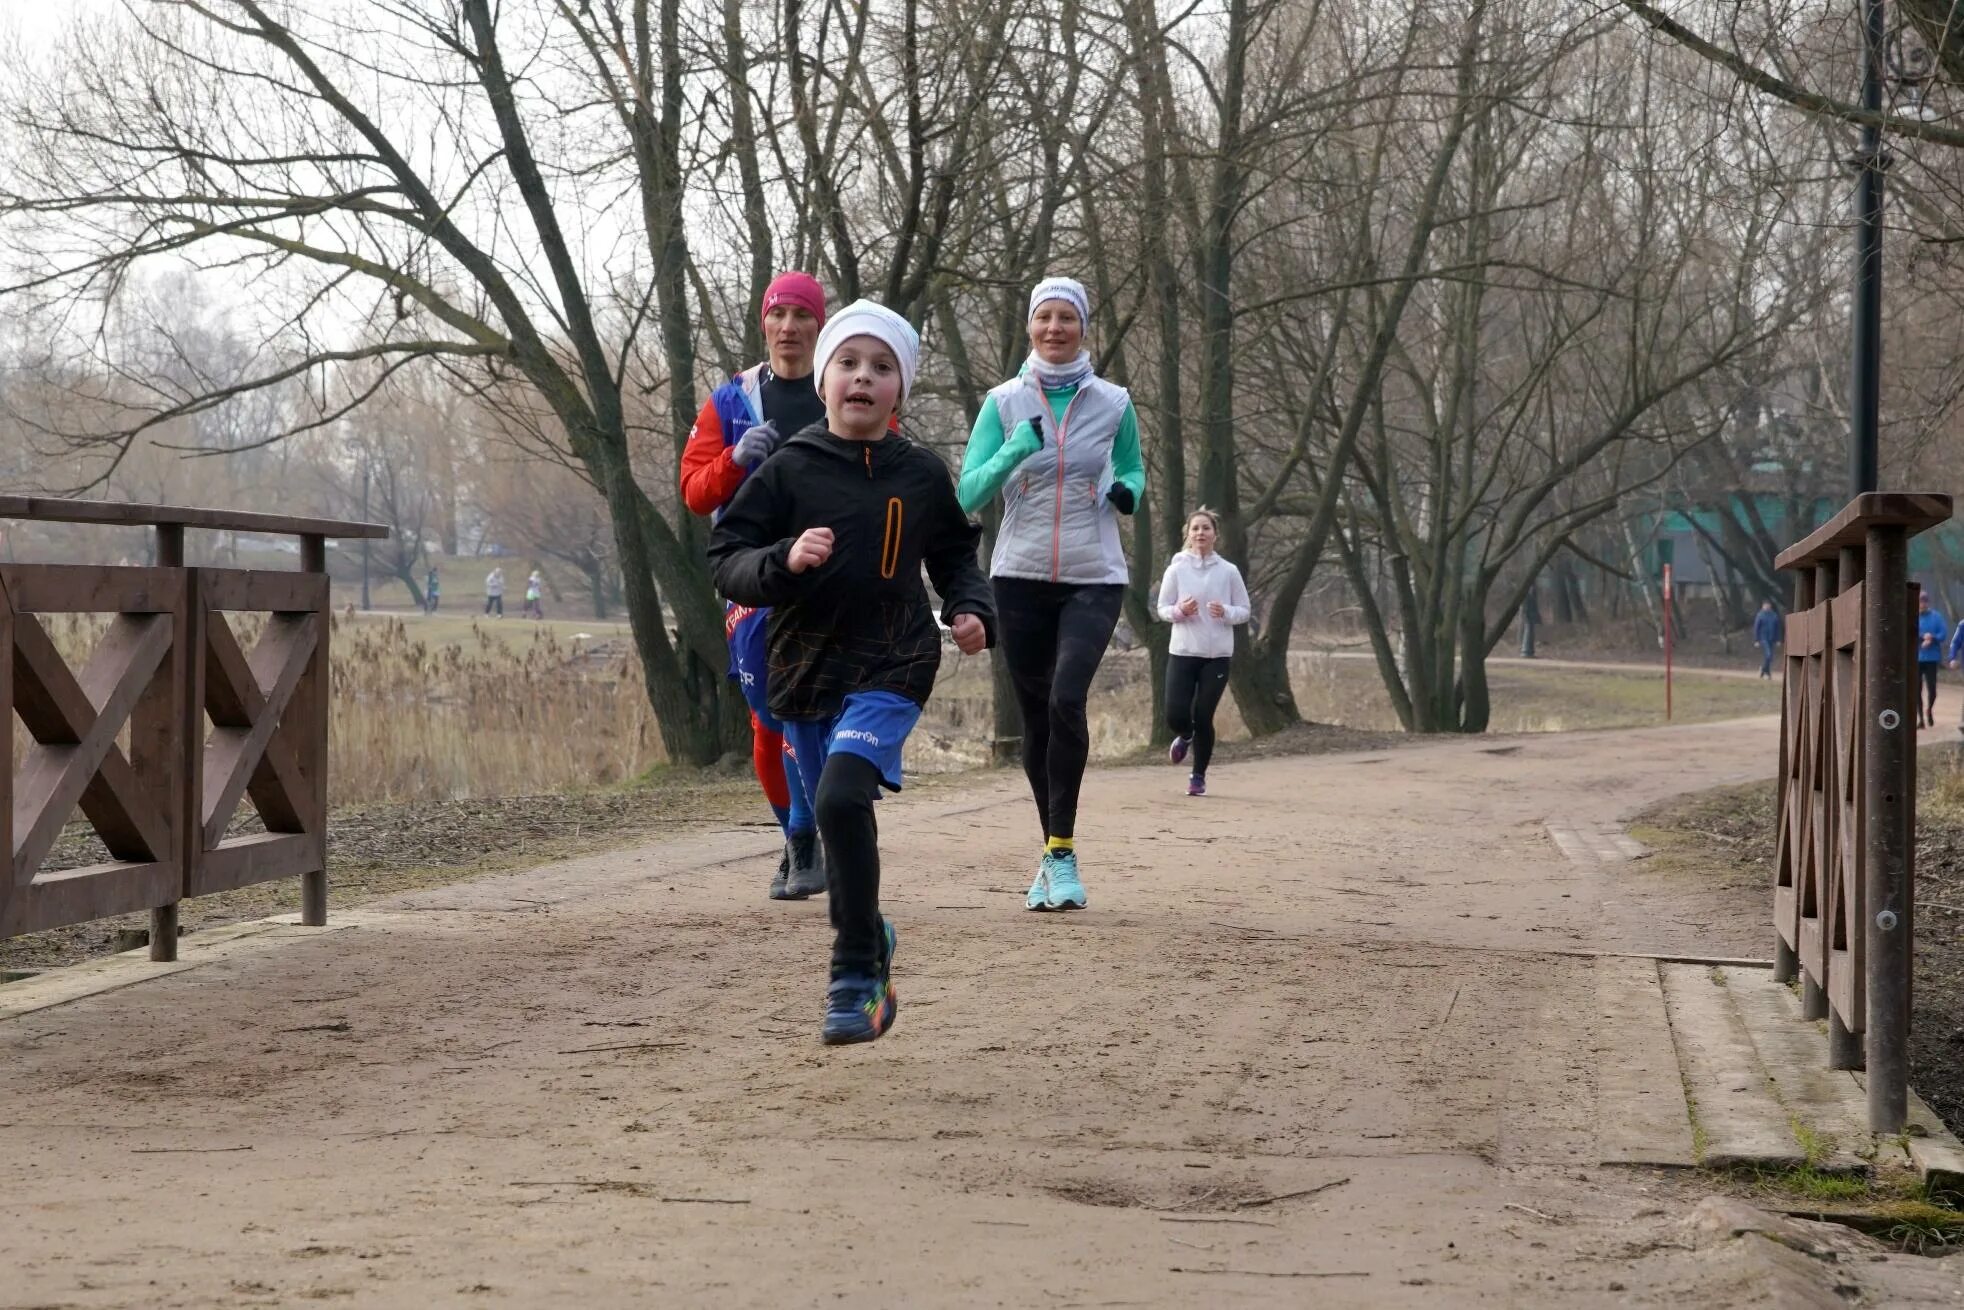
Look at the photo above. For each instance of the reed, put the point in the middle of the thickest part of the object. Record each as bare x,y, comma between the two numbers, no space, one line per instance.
449,708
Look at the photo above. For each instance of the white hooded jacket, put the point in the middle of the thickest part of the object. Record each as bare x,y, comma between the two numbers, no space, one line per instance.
1204,578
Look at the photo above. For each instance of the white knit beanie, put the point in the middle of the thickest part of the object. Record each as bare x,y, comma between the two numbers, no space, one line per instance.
1070,291
865,318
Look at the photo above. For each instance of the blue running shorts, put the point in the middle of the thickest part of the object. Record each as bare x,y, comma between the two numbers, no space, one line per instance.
872,725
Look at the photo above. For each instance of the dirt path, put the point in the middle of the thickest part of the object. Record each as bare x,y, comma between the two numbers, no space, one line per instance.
1324,1038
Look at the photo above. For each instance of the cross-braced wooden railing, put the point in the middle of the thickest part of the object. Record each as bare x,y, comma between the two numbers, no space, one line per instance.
168,662
1843,886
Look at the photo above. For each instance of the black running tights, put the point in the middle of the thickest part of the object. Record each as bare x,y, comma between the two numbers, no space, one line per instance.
1194,684
1053,635
846,791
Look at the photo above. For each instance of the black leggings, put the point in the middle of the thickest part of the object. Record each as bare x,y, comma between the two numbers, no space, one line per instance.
846,791
1053,635
1928,670
1194,684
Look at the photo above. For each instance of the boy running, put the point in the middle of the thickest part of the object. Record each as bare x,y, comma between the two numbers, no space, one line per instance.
832,533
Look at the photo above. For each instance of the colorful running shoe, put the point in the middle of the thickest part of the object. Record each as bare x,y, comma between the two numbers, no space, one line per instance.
1177,752
1197,785
860,1007
1039,897
1066,889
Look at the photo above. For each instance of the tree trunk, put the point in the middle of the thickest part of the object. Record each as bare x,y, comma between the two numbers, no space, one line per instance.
743,144
408,579
1474,703
1163,276
1564,601
1260,678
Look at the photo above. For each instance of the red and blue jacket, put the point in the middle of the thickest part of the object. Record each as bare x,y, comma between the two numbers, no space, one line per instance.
710,477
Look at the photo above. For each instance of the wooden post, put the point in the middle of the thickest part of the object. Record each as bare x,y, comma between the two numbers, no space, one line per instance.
310,704
1887,743
1845,1047
161,736
1786,959
1818,583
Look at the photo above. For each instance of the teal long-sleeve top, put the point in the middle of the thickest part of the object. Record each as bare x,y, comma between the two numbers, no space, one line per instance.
993,455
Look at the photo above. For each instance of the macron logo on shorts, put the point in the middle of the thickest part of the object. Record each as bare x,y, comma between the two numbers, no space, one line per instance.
856,734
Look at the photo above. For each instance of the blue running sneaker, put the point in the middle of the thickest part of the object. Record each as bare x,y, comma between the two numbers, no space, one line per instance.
1066,890
1177,752
1039,897
859,1007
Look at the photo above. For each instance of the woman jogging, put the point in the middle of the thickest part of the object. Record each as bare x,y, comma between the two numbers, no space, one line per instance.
1061,446
1203,597
739,427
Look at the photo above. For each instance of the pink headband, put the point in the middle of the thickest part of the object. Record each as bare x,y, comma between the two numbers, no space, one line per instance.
800,289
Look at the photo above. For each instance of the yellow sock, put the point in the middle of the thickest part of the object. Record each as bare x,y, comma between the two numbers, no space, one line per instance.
1060,845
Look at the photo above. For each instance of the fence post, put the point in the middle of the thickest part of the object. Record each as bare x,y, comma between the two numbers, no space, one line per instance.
311,707
161,728
1786,959
1888,742
1844,1047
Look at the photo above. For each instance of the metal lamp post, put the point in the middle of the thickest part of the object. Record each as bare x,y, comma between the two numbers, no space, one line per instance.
364,540
1870,162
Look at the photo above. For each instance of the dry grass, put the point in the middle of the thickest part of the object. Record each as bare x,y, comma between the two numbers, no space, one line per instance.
452,709
504,710
457,707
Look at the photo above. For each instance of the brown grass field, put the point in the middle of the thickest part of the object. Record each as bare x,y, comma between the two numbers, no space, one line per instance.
459,707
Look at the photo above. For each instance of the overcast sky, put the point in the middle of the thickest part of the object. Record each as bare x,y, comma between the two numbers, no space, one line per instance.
38,18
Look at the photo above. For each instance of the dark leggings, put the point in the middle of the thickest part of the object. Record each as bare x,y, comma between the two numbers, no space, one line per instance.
1194,684
1053,635
846,791
1928,669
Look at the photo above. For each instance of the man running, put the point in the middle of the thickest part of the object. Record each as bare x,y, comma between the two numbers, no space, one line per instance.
741,424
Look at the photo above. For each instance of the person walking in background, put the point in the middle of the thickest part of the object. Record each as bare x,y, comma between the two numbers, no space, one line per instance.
1530,620
1061,446
494,592
1931,632
832,535
739,427
1769,630
430,585
1956,657
1203,597
535,596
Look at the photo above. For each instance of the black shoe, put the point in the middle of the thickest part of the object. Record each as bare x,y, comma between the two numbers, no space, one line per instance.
780,883
807,867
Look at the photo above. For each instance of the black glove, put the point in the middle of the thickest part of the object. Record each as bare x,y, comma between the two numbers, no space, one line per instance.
1122,498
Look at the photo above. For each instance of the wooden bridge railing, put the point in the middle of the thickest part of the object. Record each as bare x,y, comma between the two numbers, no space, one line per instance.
1843,895
168,662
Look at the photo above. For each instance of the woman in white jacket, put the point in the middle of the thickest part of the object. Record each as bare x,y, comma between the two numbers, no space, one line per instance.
1203,597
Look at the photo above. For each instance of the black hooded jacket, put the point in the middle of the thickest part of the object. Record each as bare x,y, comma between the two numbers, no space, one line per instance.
861,620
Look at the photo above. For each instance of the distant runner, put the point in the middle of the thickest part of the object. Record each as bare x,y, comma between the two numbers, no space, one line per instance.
1203,597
